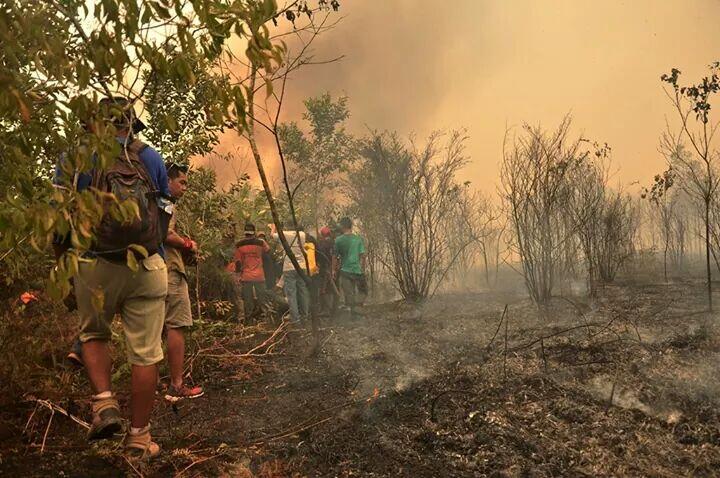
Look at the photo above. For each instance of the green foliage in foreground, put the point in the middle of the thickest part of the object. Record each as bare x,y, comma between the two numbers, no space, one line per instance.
58,58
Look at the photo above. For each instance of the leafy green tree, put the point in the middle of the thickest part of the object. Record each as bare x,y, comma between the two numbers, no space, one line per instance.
180,121
58,58
318,159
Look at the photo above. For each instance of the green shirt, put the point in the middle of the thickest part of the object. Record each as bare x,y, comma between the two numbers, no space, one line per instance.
349,247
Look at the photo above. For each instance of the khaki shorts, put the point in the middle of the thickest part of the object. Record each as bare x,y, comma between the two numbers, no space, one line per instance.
177,303
139,298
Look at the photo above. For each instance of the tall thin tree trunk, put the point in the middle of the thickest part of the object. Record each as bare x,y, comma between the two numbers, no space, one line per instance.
707,254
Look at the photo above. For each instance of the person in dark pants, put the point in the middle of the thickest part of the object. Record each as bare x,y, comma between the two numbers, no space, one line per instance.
350,253
269,265
328,293
249,264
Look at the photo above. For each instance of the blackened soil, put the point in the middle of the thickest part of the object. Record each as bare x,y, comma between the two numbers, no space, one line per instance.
625,385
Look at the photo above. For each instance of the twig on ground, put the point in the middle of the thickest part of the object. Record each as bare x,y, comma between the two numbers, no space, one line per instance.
134,468
47,430
196,462
579,311
298,430
505,351
502,319
56,408
269,341
309,423
27,424
612,390
542,352
329,336
560,332
268,344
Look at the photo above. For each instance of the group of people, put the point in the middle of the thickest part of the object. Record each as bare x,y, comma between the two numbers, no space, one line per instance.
147,285
334,263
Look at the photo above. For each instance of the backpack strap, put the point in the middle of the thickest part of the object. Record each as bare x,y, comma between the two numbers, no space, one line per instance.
137,146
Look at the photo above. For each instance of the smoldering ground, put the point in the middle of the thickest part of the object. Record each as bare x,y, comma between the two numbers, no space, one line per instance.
622,384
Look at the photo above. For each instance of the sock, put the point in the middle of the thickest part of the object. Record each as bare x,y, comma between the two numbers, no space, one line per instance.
139,431
102,395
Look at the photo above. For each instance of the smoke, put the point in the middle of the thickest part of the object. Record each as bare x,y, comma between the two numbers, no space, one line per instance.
420,65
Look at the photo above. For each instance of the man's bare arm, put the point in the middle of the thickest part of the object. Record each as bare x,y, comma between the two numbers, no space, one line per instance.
174,239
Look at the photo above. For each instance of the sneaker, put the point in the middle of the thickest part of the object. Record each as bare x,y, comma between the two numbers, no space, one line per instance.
175,394
139,446
75,359
106,420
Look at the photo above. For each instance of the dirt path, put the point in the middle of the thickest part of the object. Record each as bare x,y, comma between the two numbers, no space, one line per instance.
424,392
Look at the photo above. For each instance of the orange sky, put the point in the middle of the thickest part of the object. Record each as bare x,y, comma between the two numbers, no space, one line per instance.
419,65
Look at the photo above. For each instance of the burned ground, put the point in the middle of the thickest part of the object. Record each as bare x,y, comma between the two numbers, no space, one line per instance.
622,385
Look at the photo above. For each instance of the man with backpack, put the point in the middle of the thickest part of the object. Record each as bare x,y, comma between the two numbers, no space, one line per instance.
249,265
107,285
178,313
294,287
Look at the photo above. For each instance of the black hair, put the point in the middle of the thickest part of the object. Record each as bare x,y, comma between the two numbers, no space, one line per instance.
174,169
345,223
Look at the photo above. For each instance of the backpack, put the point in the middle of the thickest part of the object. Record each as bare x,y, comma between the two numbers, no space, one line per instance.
127,179
311,262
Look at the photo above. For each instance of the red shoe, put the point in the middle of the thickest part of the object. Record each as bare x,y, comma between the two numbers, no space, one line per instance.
175,394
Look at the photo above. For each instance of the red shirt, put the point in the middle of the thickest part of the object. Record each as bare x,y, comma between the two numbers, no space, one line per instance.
248,256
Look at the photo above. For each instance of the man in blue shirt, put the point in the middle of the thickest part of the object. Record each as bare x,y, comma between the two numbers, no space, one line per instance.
138,296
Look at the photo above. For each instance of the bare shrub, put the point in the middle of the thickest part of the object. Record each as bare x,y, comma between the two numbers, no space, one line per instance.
536,185
606,219
403,196
697,164
668,214
474,232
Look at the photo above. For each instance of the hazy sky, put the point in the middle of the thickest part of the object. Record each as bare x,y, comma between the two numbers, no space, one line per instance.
420,65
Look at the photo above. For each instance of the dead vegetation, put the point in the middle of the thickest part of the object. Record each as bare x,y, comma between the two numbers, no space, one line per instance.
626,387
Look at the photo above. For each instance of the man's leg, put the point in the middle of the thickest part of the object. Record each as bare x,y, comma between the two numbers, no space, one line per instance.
353,293
248,300
95,280
261,297
98,364
178,318
334,295
142,394
303,297
176,355
358,295
347,287
290,288
143,316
